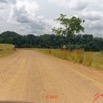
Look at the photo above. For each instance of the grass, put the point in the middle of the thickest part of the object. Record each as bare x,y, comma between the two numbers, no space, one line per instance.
91,59
6,49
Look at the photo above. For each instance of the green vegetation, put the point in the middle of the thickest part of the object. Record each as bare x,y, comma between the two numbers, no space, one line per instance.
80,46
92,59
55,44
71,26
6,49
86,42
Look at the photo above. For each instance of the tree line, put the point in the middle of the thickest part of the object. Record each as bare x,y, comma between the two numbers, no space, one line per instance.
87,42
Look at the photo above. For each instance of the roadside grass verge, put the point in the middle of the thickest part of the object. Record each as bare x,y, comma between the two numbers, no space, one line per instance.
91,59
6,50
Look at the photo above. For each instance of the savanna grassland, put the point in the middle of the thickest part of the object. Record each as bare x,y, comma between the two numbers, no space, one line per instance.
6,49
91,59
91,55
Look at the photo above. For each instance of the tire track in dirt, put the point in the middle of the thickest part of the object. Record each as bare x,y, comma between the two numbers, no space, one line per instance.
29,75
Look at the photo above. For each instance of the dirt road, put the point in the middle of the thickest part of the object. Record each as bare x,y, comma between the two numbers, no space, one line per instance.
29,75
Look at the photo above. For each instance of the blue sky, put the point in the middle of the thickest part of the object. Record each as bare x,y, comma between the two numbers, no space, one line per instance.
37,16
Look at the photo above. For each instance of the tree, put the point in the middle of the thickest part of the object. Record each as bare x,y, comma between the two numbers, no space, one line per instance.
86,41
71,26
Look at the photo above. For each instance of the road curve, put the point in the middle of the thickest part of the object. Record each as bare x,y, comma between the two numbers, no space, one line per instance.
29,75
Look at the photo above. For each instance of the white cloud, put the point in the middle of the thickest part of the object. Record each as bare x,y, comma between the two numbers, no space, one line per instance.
23,8
93,15
90,10
71,4
78,4
24,14
3,1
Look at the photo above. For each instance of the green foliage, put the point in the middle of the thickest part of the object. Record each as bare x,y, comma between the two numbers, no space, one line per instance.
86,42
71,26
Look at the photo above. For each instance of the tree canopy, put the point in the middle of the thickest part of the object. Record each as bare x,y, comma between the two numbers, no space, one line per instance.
86,41
71,26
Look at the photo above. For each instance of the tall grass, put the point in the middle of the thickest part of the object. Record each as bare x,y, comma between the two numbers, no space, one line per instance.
6,49
92,59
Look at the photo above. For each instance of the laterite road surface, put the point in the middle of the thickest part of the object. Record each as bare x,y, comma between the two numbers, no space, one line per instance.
29,75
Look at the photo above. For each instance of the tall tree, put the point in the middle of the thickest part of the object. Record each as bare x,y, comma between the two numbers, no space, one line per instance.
71,26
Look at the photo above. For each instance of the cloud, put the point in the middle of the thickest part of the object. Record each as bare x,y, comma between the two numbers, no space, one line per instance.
23,9
24,14
71,4
31,16
79,4
90,10
93,22
93,15
7,1
3,1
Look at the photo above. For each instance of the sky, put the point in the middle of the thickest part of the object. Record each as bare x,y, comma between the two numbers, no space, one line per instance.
37,16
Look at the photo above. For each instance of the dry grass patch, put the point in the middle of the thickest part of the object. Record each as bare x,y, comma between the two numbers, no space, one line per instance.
91,59
6,49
